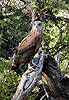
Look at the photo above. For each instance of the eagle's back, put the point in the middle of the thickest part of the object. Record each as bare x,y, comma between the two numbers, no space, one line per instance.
28,47
30,40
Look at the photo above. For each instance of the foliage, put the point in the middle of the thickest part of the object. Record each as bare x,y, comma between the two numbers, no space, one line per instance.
15,20
8,80
13,27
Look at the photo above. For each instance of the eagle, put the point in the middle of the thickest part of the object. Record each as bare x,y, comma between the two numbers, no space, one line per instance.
28,46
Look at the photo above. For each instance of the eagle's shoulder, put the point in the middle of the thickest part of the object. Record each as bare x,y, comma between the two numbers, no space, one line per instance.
31,35
31,39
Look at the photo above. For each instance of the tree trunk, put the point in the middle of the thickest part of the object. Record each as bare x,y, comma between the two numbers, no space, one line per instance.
29,78
58,86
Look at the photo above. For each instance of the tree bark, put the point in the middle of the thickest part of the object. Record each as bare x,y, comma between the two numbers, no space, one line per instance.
29,78
59,88
57,84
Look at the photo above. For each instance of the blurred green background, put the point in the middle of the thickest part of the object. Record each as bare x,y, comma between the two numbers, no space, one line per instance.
14,26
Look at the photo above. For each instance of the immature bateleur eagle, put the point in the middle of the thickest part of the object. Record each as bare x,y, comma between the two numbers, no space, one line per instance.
28,46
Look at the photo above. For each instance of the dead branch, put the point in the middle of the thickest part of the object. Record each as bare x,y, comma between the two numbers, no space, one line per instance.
57,85
55,78
29,78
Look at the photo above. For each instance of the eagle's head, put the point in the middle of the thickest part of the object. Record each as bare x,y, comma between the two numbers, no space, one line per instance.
37,26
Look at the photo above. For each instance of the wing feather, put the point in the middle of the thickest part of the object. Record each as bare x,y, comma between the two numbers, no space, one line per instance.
30,41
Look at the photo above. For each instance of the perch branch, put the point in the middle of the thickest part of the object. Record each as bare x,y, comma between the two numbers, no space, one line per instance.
29,78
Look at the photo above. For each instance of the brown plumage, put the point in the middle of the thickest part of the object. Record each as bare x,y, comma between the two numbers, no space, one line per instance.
28,46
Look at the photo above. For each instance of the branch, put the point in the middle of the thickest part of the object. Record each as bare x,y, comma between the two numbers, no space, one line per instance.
51,72
55,78
29,78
